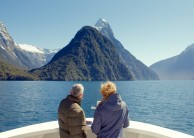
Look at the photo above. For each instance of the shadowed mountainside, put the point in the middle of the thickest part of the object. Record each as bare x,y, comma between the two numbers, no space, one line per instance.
89,56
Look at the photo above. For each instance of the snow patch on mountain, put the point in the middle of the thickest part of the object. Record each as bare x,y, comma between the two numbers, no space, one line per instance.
2,47
37,56
30,48
15,55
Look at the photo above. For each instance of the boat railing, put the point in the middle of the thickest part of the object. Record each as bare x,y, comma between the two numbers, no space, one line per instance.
135,130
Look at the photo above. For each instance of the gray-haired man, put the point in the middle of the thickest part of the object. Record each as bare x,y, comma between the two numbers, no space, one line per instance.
71,117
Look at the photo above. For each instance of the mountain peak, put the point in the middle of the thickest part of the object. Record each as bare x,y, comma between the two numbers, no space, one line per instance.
190,47
2,28
1,24
101,23
103,26
3,32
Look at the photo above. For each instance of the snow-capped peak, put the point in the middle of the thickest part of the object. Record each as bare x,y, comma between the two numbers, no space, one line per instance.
103,26
30,48
2,27
4,33
102,23
3,30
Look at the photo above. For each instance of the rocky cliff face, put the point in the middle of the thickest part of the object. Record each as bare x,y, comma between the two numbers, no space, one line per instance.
8,48
139,70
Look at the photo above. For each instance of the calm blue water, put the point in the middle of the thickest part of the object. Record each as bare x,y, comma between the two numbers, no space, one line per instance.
168,104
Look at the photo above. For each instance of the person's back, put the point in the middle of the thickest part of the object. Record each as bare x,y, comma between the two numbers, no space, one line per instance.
71,118
110,117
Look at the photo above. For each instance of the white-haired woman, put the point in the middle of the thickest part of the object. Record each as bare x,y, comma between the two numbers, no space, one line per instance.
71,117
111,115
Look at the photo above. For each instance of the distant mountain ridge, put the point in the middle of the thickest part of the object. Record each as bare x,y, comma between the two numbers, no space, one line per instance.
89,56
139,70
180,67
18,56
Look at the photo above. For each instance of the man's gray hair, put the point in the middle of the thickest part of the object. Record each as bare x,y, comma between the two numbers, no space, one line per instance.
77,90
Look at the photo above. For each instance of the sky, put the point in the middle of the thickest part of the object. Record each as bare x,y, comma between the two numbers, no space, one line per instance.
151,30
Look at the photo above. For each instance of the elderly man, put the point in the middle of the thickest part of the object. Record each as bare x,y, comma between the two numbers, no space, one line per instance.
71,117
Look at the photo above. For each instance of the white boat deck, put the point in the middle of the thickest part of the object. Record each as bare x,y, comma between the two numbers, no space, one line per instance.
135,130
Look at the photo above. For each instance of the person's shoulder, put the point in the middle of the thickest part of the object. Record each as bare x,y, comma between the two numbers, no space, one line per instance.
75,110
75,106
62,102
101,107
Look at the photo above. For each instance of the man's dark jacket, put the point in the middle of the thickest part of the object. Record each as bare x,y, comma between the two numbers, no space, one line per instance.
71,118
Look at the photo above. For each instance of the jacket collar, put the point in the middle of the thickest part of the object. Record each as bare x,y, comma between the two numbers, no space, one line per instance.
74,99
113,103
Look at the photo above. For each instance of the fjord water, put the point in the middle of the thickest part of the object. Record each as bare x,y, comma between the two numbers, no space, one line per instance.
168,104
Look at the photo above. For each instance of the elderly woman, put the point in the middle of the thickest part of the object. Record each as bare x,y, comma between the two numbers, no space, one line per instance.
71,117
111,115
